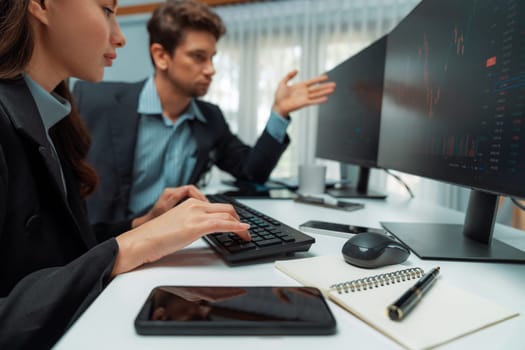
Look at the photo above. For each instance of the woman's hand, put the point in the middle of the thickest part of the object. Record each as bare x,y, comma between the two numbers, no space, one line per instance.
174,230
169,198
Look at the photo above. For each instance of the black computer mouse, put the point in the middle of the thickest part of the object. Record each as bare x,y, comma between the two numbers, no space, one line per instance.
372,249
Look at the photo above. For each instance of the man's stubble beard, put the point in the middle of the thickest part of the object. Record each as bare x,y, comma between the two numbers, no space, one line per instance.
188,91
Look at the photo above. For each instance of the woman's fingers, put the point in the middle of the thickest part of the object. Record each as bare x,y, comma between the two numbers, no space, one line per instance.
222,207
223,222
219,217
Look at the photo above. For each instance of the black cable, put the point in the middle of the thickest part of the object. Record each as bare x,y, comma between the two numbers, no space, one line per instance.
400,181
517,203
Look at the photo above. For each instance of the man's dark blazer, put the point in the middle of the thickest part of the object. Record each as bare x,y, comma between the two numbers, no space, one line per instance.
110,113
51,266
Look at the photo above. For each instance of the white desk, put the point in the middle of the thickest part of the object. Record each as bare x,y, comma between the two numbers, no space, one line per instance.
108,323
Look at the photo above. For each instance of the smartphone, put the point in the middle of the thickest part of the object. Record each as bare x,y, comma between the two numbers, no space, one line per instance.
332,203
217,310
335,229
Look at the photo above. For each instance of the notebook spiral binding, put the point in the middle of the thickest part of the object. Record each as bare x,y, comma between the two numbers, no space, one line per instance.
377,281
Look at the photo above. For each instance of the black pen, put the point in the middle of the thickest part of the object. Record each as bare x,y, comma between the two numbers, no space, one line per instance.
411,297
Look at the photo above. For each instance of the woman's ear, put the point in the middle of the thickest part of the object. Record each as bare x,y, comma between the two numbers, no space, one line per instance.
38,9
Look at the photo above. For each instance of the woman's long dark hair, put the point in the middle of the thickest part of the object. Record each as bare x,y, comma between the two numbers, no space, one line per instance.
72,137
16,47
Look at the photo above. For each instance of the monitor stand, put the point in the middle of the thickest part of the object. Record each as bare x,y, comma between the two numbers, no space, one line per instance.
469,242
360,191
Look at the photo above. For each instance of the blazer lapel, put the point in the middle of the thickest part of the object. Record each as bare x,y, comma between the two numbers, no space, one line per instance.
124,121
25,118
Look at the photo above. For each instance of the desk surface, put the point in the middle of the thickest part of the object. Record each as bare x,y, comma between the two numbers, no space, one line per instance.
108,322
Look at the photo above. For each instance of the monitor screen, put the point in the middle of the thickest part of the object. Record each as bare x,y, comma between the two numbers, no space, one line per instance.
454,100
453,110
348,123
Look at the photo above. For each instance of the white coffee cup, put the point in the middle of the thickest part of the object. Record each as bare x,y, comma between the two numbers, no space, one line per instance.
311,179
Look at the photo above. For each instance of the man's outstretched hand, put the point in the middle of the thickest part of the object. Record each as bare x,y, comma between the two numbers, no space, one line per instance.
291,97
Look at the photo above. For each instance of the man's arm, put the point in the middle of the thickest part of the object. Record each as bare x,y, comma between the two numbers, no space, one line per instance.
289,98
274,140
256,163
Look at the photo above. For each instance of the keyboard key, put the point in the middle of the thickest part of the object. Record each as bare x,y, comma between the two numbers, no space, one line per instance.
267,242
241,247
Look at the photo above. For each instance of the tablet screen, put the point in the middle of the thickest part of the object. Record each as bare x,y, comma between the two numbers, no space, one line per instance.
235,310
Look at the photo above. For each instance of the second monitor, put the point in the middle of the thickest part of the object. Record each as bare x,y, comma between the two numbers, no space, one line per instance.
349,122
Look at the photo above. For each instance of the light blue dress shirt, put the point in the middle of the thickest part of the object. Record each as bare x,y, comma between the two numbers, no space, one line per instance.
52,108
164,155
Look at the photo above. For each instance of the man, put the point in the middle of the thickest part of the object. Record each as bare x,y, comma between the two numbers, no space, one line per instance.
152,136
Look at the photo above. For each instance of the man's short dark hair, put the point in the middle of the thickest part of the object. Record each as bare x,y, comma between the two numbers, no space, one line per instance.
170,21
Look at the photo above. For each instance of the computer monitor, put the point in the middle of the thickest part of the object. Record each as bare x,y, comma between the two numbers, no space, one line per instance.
454,111
348,123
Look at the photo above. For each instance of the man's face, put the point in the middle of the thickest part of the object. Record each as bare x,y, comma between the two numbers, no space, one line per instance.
190,69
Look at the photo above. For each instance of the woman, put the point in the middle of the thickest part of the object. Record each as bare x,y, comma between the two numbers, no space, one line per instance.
52,265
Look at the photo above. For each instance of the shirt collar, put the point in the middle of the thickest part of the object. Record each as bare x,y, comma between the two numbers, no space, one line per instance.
51,106
149,103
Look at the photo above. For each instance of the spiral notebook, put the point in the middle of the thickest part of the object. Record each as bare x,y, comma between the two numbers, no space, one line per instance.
367,293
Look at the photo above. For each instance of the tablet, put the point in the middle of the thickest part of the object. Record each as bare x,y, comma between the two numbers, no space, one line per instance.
216,310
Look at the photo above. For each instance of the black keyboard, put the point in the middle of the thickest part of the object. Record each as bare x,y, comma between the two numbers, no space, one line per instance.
269,236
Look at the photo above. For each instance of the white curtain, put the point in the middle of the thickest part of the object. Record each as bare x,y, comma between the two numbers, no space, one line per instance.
266,40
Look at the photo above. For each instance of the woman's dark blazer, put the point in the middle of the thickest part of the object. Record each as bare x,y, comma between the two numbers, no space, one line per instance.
51,266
